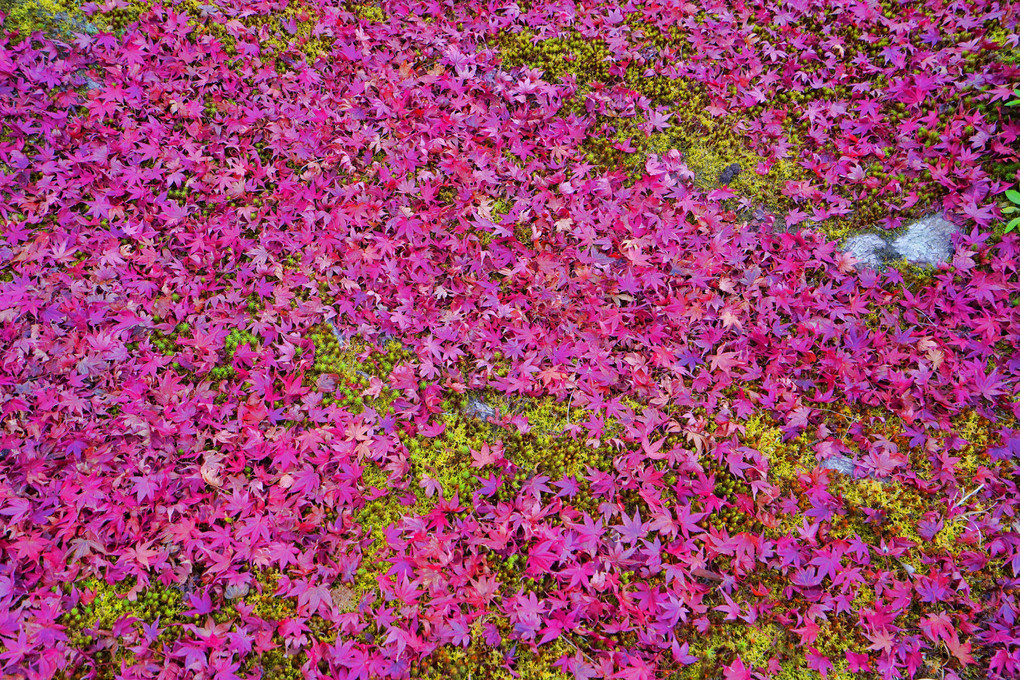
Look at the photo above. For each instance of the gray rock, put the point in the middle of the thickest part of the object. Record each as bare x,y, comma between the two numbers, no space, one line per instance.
649,52
86,76
838,463
476,408
75,24
929,240
867,248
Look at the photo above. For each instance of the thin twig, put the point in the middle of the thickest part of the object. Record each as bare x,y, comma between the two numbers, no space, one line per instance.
925,315
962,500
843,415
571,643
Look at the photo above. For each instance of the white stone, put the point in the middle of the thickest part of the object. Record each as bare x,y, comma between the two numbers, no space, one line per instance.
476,408
927,241
838,463
866,248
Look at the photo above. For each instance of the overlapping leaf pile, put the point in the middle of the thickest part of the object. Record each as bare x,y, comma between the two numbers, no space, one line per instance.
265,271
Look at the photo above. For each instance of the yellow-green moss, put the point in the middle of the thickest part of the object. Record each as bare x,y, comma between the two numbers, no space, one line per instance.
999,34
351,365
278,663
28,16
166,343
902,507
371,13
104,604
479,660
303,18
108,603
119,18
787,459
757,645
264,601
709,144
500,207
237,338
980,435
725,642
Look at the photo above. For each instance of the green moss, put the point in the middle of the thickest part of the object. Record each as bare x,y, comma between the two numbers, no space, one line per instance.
119,18
725,642
708,144
999,34
620,140
494,211
872,509
787,459
166,343
915,276
102,605
761,644
370,13
500,207
291,28
28,16
901,506
278,663
264,601
582,58
978,434
255,303
449,459
479,660
237,338
446,195
349,367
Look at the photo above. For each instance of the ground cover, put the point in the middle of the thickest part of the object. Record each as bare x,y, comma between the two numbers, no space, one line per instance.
464,340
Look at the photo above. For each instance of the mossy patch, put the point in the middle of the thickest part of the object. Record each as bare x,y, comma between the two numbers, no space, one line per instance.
714,132
1001,36
369,12
101,606
505,661
236,339
344,368
293,27
25,17
165,342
